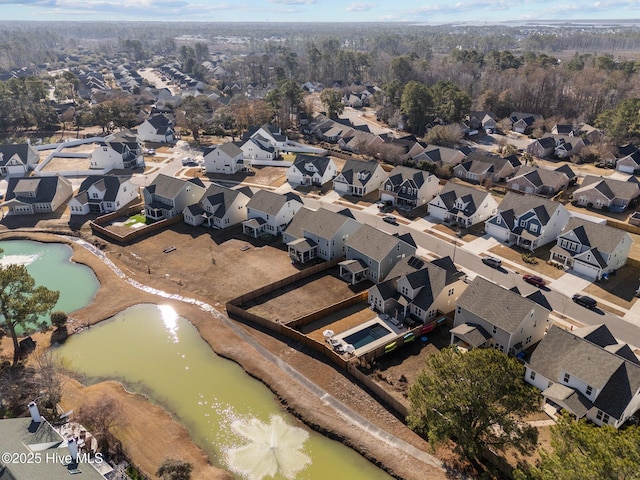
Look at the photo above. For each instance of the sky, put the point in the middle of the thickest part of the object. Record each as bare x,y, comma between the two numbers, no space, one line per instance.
418,11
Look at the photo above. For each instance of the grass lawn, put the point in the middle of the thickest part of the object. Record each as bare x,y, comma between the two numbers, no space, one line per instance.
138,218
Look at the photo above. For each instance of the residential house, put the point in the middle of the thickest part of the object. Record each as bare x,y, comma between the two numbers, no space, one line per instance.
417,289
606,193
408,187
318,234
629,163
528,221
568,171
542,147
483,119
358,141
440,155
398,150
540,181
167,197
591,249
269,212
491,316
31,195
569,145
311,170
565,129
227,158
46,452
158,129
103,194
522,122
359,178
480,168
17,158
269,134
122,150
371,254
255,149
587,373
462,205
220,207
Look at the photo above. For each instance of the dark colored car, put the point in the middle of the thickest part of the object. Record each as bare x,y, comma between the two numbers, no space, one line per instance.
390,219
492,262
534,280
585,301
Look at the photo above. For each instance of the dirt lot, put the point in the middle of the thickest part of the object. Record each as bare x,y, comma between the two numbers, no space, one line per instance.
302,298
542,255
271,177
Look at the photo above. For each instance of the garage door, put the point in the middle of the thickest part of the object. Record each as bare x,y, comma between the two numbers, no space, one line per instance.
588,271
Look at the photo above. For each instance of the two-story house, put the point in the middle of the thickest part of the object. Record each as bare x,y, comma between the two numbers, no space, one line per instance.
32,195
591,249
372,253
409,187
319,234
527,220
440,155
540,181
587,373
418,289
168,196
122,150
521,122
462,205
490,316
220,207
607,193
269,212
157,128
255,149
103,194
359,178
311,170
479,168
17,159
269,134
227,158
482,119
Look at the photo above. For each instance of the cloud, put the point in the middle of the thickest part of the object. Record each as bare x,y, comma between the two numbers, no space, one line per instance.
294,2
360,7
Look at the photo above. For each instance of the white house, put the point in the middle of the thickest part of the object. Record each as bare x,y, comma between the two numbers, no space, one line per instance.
409,187
254,149
157,128
227,158
271,135
269,212
359,178
220,207
488,315
168,196
32,195
17,159
591,249
318,234
103,194
122,150
527,220
418,289
587,373
462,205
311,170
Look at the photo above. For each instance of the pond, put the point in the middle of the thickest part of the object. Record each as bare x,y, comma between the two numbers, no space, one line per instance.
234,418
50,265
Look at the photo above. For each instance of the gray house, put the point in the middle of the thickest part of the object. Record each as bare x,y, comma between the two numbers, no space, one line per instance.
490,316
31,195
409,187
168,196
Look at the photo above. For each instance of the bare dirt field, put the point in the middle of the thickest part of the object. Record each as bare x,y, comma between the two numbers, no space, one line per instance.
264,176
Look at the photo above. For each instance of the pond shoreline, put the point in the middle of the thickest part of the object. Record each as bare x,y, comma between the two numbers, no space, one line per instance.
115,294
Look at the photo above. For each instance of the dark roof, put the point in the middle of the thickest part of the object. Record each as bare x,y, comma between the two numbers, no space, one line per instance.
372,242
46,188
109,183
320,163
270,202
9,150
472,196
353,168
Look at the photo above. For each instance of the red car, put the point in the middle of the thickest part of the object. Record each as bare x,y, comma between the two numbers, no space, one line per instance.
533,280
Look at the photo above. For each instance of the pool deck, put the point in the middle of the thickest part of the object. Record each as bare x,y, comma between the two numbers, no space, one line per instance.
396,331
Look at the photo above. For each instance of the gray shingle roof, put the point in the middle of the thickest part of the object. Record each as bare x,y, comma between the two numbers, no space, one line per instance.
108,183
496,305
46,188
372,242
352,168
452,191
222,197
401,174
269,202
8,151
609,187
518,204
320,163
169,187
321,222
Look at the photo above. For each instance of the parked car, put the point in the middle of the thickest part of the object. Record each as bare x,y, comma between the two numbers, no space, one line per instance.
390,219
187,161
492,262
149,151
585,301
534,280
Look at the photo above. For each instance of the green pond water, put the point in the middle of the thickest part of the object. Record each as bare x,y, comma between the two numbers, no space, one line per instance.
50,265
234,418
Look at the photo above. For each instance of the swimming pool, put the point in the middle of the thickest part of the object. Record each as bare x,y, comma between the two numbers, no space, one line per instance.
367,335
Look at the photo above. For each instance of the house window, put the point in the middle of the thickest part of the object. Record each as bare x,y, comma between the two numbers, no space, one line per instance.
451,290
566,378
589,390
459,310
528,340
605,418
599,415
532,375
498,220
523,223
534,228
495,330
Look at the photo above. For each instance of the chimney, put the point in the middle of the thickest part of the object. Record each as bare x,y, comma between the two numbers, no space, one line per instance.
73,449
35,413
